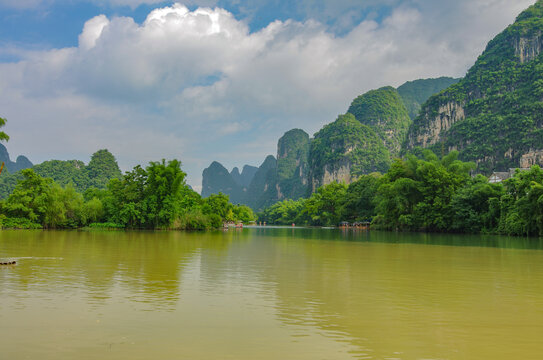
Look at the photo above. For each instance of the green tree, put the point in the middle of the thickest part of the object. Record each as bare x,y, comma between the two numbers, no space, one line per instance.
522,204
218,204
30,198
162,193
475,207
416,193
3,135
324,206
359,203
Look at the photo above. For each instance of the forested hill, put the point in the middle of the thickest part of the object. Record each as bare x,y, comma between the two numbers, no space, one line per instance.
101,168
415,93
364,140
493,116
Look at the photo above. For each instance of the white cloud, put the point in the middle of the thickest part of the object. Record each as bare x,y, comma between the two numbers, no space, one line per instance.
92,32
198,85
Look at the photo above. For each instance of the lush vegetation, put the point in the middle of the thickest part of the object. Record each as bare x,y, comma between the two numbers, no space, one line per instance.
292,164
155,197
100,170
384,112
301,161
424,194
500,98
417,92
347,142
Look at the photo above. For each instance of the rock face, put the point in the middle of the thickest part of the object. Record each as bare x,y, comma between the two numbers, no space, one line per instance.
528,48
21,163
493,115
344,150
533,157
447,115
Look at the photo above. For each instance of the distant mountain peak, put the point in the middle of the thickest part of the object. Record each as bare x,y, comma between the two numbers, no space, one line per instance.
20,163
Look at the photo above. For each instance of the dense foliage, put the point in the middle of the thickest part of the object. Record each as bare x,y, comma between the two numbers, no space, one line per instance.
498,116
102,168
347,142
424,194
3,135
292,164
384,112
155,197
417,92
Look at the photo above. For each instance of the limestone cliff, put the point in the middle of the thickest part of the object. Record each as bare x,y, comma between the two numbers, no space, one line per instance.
344,150
493,115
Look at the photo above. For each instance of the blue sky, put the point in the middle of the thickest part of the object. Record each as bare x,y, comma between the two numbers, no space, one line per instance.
206,80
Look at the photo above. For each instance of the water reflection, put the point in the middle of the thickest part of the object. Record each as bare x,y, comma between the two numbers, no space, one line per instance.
273,293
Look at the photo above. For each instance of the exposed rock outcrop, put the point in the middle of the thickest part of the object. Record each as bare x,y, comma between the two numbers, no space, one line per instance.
533,157
493,115
528,48
346,149
436,125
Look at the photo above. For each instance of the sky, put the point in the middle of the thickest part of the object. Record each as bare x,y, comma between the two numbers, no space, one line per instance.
206,80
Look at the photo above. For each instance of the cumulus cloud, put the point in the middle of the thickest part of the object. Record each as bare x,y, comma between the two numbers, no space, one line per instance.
199,85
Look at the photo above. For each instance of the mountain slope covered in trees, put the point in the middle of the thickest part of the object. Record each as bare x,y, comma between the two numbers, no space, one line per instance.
415,93
493,116
379,121
101,168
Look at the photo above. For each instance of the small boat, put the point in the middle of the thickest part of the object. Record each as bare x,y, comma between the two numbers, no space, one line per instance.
12,262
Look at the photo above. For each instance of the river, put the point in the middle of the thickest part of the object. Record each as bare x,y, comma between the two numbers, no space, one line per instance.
269,293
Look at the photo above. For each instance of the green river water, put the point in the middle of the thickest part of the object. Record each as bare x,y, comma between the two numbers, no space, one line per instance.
269,293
